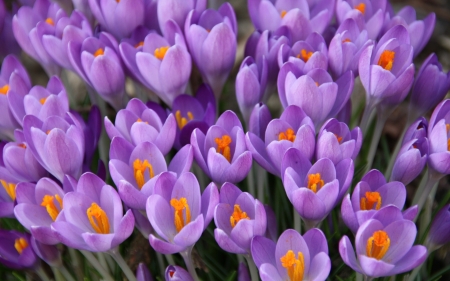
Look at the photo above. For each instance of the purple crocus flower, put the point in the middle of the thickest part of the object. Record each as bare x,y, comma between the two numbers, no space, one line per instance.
293,257
243,274
137,123
314,190
419,30
177,273
48,253
346,48
238,218
7,193
135,169
142,273
410,160
259,119
438,136
384,245
430,87
417,130
371,194
439,234
211,37
16,251
118,17
336,142
222,153
29,27
92,218
159,59
293,129
98,63
178,200
10,45
57,143
38,206
177,10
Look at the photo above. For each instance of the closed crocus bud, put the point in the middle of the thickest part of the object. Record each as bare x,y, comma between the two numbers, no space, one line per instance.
160,58
119,17
384,245
250,85
177,273
137,124
211,37
143,274
243,274
336,142
438,136
430,87
29,27
178,212
238,218
419,30
293,257
177,10
48,253
98,63
259,119
410,160
16,251
57,144
439,234
417,130
293,129
93,218
222,153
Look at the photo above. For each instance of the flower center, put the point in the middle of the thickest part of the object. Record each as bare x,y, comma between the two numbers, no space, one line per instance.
139,120
237,216
295,267
161,52
139,168
283,13
99,52
182,121
346,40
305,55
386,60
50,206
223,146
339,139
180,205
10,189
378,245
361,7
50,21
22,145
315,182
98,219
289,135
4,89
42,101
20,244
369,201
140,44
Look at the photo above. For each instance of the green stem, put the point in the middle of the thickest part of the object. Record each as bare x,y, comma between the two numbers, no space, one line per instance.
57,274
41,273
188,261
424,190
76,263
367,116
387,173
122,264
251,182
169,259
102,260
261,179
297,221
252,268
91,258
381,119
161,265
425,219
66,273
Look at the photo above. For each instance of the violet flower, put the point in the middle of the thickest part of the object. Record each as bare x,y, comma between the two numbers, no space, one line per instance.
7,193
137,124
222,153
92,218
293,257
438,137
178,213
293,129
16,251
259,119
142,273
177,273
211,37
370,195
135,170
243,274
48,253
384,245
439,234
238,218
177,10
410,160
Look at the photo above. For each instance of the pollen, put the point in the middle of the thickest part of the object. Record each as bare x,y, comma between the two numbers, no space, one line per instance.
283,13
99,52
181,205
386,60
339,139
50,21
346,40
361,7
315,182
237,216
370,200
139,168
22,145
161,52
378,244
182,121
305,55
289,135
49,203
223,146
10,189
20,244
42,101
4,90
139,120
140,44
295,267
98,219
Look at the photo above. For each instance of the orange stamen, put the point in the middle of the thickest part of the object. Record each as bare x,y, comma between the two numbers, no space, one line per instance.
305,55
361,7
49,204
140,44
42,101
20,244
386,60
99,52
10,189
22,145
295,267
182,121
161,52
369,201
4,89
50,21
180,205
223,146
338,138
378,244
288,135
346,40
139,168
98,219
283,13
237,216
315,182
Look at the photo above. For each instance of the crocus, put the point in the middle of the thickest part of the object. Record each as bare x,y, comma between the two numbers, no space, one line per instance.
137,123
438,137
243,274
177,273
92,218
439,234
177,10
259,119
384,245
370,195
16,251
7,193
142,273
410,160
48,253
211,37
293,257
222,153
238,218
178,213
293,129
